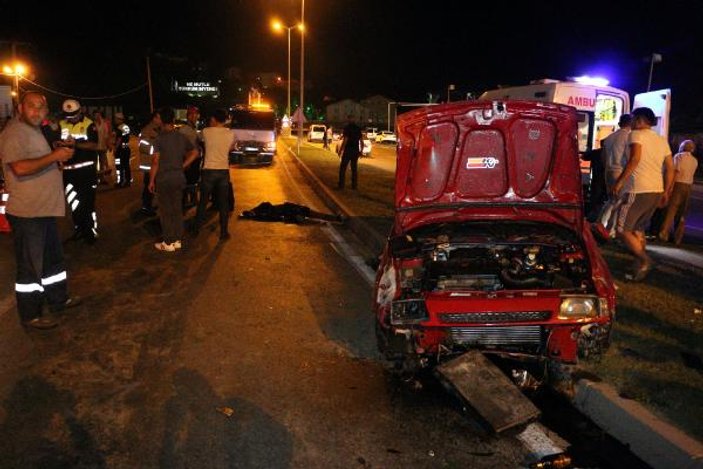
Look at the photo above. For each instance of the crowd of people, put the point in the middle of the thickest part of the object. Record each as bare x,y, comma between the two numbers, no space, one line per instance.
52,162
641,177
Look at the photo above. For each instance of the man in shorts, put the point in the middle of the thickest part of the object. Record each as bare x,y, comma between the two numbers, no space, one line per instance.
644,186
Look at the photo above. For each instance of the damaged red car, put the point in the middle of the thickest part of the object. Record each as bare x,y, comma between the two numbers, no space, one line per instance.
489,249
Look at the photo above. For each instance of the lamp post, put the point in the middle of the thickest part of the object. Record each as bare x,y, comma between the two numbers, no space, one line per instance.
302,74
654,59
278,26
16,70
450,88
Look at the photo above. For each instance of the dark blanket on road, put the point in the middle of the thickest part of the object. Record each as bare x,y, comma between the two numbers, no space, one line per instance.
287,212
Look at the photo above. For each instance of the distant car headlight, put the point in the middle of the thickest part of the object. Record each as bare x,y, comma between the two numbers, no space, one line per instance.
578,307
408,312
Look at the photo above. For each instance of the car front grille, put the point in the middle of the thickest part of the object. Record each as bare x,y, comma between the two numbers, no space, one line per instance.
493,317
497,335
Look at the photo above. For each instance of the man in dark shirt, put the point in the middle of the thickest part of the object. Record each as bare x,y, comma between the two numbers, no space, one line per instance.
350,150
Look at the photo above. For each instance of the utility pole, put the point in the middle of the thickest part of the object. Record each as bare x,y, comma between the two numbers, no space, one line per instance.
148,79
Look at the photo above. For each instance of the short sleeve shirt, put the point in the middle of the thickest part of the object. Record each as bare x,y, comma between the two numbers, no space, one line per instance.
648,175
352,133
218,141
34,195
617,151
685,164
172,147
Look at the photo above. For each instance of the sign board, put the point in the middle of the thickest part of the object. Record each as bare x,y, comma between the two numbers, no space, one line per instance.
196,88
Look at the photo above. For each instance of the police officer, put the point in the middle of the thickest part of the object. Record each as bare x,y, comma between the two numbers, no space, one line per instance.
122,151
147,136
80,172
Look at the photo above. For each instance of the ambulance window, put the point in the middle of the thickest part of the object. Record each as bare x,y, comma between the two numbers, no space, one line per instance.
584,130
609,108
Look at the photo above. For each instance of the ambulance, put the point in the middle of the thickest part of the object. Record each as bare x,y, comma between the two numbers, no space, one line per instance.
598,107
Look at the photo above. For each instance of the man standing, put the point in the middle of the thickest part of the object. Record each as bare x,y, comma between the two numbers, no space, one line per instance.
122,152
350,150
147,137
649,152
173,153
616,153
34,183
102,125
215,174
192,173
80,172
685,165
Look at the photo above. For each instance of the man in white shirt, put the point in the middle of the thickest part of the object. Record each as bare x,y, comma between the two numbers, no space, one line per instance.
214,178
645,187
685,165
616,152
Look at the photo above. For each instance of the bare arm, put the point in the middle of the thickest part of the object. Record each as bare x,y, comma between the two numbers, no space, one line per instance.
190,157
635,156
152,172
669,173
31,166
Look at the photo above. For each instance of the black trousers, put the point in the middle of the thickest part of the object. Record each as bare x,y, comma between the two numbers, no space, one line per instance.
41,274
80,185
214,181
348,159
124,171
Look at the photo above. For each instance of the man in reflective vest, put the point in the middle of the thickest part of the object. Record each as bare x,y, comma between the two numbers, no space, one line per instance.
80,172
146,150
122,152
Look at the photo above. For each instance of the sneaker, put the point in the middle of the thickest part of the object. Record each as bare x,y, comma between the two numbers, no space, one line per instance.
168,247
177,244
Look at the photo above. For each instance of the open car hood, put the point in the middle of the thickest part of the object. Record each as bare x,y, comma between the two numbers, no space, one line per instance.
509,160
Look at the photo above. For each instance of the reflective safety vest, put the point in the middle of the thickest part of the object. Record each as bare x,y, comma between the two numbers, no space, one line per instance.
146,146
78,132
4,224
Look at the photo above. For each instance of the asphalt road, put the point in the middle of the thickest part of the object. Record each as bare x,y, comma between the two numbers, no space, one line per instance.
258,352
694,220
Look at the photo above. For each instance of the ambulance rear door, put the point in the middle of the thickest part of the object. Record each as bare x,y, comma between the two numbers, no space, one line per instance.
658,101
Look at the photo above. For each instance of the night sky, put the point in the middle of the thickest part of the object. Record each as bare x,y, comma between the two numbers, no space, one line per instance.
357,48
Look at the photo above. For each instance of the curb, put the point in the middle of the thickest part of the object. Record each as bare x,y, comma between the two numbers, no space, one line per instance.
653,440
658,443
363,230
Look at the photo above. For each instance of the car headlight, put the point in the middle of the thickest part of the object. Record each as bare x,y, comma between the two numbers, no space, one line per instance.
237,146
578,307
408,312
270,146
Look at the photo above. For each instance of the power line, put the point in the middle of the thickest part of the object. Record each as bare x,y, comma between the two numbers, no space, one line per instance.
86,98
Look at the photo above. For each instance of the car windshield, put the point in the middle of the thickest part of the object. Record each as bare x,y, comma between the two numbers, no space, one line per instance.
258,120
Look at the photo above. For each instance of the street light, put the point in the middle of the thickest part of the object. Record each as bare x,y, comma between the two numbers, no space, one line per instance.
278,26
450,88
653,59
16,70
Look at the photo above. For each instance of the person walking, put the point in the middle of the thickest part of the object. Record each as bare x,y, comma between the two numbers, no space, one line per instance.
685,165
215,179
122,152
350,150
34,183
649,153
616,153
80,172
173,153
147,137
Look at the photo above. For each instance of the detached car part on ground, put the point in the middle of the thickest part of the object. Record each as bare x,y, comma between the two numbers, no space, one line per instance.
489,249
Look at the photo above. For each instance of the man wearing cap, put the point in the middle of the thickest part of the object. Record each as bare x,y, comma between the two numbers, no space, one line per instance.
80,172
122,152
646,188
36,199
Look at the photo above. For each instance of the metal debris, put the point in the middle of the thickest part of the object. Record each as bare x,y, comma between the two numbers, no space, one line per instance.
226,411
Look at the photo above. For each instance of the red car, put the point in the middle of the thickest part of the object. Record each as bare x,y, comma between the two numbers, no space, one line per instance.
489,248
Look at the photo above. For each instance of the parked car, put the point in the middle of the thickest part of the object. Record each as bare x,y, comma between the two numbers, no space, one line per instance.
371,132
316,133
386,136
366,150
489,248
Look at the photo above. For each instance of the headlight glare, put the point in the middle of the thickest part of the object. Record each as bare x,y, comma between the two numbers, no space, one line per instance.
578,308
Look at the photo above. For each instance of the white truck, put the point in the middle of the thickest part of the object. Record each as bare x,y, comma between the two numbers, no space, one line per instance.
598,106
5,103
254,130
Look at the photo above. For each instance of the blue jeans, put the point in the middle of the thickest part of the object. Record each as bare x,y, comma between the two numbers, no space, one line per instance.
214,181
41,273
